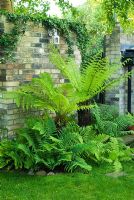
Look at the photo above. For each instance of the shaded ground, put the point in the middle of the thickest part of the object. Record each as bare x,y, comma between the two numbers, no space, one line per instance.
77,186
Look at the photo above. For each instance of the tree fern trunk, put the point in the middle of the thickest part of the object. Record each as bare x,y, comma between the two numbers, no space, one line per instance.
84,116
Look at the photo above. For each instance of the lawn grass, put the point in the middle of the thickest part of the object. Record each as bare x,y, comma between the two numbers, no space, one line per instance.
76,186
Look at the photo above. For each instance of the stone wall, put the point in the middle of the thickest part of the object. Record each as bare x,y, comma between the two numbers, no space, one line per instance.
31,58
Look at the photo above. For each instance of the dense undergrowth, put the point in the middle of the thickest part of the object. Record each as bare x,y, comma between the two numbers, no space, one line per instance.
40,146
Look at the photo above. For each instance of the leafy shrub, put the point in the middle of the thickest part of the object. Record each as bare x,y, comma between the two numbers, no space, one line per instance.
108,121
39,145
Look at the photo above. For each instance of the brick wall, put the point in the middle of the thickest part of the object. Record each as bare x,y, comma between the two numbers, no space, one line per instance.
116,95
116,43
31,58
127,42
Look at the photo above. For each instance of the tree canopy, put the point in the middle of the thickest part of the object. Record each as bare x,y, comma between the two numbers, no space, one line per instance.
108,12
117,10
101,16
37,7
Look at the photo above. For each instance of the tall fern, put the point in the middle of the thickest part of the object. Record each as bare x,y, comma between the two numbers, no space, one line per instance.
91,80
66,98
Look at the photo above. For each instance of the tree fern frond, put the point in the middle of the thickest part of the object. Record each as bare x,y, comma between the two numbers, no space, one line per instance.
85,107
68,68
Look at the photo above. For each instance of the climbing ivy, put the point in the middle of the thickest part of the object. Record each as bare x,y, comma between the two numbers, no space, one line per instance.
67,29
8,41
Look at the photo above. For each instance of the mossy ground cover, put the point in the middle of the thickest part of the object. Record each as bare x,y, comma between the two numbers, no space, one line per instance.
93,186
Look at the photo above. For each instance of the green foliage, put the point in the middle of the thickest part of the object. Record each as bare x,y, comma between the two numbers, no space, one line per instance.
32,7
64,99
30,146
99,149
90,14
101,16
118,152
39,145
107,120
39,7
122,11
8,41
91,80
42,94
65,6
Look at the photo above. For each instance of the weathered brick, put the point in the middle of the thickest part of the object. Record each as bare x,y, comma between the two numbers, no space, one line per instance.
27,66
37,71
36,55
20,72
34,34
11,83
44,40
36,45
36,66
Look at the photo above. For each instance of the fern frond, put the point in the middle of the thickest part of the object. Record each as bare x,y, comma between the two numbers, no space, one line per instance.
76,164
68,68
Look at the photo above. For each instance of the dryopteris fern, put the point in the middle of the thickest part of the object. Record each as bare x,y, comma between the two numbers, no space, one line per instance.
107,120
39,146
118,152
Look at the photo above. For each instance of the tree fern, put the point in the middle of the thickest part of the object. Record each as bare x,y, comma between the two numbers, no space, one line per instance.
94,78
67,98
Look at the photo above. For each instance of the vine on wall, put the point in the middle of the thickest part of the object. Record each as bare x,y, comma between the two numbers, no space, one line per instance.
8,41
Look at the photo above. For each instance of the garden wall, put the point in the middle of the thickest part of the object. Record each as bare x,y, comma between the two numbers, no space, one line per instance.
31,57
116,45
